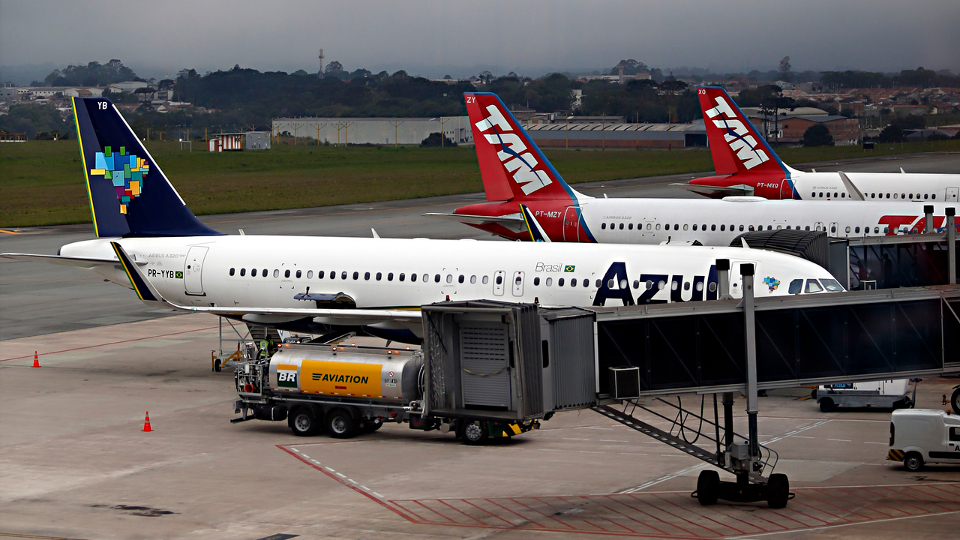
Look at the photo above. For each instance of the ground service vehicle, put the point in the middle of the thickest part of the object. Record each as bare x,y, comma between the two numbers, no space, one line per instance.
889,394
922,436
347,390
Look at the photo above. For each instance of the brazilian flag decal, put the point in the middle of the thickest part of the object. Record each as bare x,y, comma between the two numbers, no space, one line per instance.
569,268
178,275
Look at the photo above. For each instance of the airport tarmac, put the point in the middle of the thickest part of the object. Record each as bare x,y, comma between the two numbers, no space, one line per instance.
74,462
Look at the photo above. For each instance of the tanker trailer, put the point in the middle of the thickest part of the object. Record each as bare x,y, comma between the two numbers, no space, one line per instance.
347,390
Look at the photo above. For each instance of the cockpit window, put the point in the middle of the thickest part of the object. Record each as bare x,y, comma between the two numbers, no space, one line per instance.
831,285
813,286
796,286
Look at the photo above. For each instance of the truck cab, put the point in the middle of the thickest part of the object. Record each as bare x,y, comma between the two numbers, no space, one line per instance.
924,436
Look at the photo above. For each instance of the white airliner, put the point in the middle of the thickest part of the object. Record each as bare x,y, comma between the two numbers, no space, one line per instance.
747,165
147,238
515,172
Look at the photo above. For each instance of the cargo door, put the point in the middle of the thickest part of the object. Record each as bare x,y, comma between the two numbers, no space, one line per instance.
498,279
571,225
518,283
192,269
953,193
485,364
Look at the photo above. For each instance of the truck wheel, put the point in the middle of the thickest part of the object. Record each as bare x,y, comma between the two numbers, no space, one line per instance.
827,405
302,422
475,433
913,462
778,491
708,487
955,401
341,425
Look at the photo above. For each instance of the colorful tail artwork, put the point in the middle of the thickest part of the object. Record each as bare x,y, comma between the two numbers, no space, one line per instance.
511,164
735,144
129,194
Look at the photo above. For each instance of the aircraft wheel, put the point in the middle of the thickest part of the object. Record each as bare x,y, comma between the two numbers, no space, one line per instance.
708,487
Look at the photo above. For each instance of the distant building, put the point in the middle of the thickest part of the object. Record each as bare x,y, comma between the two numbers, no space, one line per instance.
618,135
257,140
374,130
225,142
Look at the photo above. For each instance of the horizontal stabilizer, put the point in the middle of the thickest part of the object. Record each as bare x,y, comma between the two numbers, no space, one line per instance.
716,191
78,262
533,226
513,222
144,289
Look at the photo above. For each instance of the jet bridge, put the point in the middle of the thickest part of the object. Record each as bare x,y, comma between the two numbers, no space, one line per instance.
611,359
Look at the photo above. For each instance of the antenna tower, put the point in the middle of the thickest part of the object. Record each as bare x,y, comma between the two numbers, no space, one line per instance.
321,62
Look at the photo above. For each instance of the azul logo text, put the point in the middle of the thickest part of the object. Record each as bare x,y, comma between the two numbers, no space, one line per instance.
741,142
514,155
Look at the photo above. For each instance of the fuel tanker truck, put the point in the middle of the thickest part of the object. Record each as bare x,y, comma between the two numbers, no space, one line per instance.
347,390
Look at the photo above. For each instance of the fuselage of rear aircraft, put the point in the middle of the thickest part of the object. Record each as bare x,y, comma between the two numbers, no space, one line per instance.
710,222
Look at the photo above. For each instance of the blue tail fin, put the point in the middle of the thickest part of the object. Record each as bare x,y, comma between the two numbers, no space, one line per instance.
129,194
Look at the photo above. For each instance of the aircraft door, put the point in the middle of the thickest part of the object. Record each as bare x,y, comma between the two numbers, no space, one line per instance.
571,225
498,279
518,283
786,189
953,194
191,270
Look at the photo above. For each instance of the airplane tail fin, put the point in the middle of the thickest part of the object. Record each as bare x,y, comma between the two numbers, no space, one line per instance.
511,164
736,146
129,194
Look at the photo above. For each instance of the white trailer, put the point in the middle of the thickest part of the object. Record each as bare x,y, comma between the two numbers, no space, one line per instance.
888,394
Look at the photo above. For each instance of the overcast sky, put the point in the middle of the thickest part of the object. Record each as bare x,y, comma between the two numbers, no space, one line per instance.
433,38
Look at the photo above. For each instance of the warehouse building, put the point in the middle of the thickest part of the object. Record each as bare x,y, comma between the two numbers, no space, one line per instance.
386,131
605,135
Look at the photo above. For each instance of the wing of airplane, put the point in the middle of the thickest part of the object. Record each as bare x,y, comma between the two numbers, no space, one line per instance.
148,294
514,222
716,191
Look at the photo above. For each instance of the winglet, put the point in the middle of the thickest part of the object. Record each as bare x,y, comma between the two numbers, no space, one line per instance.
141,285
855,193
533,226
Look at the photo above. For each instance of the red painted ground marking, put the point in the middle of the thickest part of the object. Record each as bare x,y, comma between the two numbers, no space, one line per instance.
720,510
665,522
521,516
420,519
111,343
703,515
567,503
434,511
925,511
647,525
539,512
461,511
921,490
487,511
802,524
843,508
937,487
874,501
664,510
342,481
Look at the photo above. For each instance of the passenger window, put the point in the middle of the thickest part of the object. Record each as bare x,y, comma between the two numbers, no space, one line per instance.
309,274
699,286
263,273
485,280
695,226
356,275
821,194
873,195
674,285
379,276
661,284
934,196
500,280
814,194
741,228
449,278
876,230
835,194
621,226
712,287
833,228
401,276
813,286
796,286
517,280
843,194
413,278
648,226
603,226
723,227
586,282
473,279
847,229
253,272
560,282
925,195
343,275
232,271
857,230
686,286
599,282
712,227
460,279
902,196
549,281
685,226
536,282
366,276
750,228
703,227
630,227
243,271
573,282
649,284
298,274
286,273
333,274
658,226
788,227
436,278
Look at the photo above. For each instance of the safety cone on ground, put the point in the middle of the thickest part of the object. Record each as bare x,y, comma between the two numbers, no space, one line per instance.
146,423
36,359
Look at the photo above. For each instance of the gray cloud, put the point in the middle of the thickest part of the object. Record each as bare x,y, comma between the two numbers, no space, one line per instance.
529,37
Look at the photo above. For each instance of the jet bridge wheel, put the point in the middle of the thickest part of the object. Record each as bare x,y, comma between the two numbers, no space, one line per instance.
708,487
778,491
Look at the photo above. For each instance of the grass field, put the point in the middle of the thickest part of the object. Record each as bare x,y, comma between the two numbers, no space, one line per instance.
42,181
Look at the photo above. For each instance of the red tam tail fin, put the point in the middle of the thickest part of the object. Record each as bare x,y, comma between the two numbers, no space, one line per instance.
735,144
511,164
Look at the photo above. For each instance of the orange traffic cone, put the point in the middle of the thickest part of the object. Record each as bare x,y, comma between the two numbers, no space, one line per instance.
146,423
36,359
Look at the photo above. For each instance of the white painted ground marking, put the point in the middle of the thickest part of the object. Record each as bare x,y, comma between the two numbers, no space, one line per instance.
839,440
665,478
871,442
784,436
341,475
377,494
611,440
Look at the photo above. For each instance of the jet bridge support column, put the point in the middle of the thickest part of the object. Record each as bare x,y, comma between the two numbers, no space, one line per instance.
723,279
746,272
952,245
928,219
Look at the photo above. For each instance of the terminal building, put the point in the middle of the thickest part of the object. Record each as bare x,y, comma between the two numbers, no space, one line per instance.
383,131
